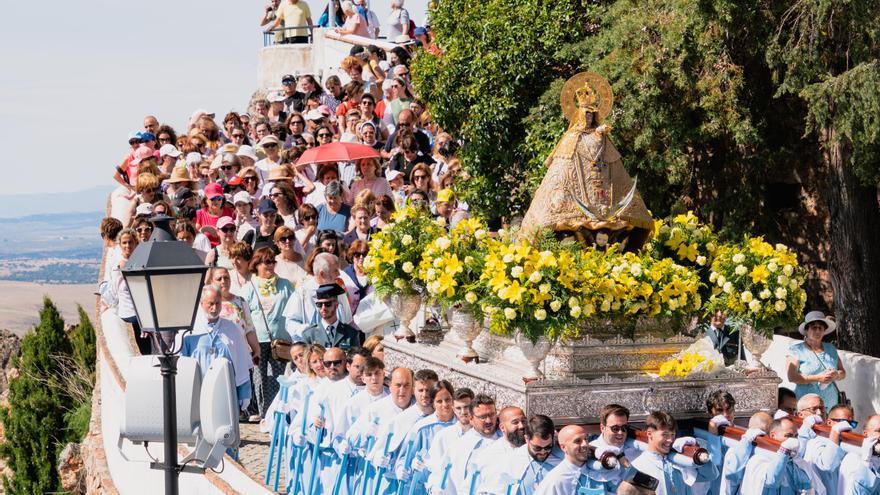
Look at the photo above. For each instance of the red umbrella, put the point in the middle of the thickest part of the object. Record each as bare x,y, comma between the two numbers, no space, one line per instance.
337,152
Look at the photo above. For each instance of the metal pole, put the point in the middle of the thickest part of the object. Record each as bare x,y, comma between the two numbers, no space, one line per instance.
168,363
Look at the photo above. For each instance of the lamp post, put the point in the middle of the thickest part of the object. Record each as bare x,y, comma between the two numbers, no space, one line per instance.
165,279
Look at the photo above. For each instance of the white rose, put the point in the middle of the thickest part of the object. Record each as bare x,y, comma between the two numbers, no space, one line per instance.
782,280
755,306
780,306
406,240
575,311
765,294
572,302
407,267
516,271
437,262
701,260
441,221
443,243
746,296
720,280
535,277
399,283
771,267
728,287
713,277
544,288
793,284
635,270
710,246
740,270
431,273
555,305
509,313
470,297
508,258
781,293
540,315
480,234
739,258
788,270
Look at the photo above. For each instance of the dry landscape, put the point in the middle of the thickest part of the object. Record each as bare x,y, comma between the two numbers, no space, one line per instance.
20,302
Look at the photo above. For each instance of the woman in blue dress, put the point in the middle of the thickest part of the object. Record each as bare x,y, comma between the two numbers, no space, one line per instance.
813,365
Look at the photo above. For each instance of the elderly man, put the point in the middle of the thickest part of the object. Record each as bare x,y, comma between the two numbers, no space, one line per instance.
300,312
215,337
334,213
860,471
406,123
364,432
385,455
151,124
780,472
825,454
657,462
464,451
329,331
438,453
525,467
572,476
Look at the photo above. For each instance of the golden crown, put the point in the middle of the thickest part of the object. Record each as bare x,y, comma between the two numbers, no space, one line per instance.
587,98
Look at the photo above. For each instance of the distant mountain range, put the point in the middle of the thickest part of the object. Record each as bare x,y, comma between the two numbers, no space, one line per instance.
20,205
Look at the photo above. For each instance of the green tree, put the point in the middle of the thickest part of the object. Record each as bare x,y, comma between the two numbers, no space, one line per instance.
827,53
34,423
82,340
498,59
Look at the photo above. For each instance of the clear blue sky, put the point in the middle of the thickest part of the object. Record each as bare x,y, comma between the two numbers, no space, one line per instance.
77,76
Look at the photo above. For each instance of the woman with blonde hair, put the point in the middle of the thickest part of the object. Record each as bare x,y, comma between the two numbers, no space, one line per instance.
147,191
375,346
288,262
370,179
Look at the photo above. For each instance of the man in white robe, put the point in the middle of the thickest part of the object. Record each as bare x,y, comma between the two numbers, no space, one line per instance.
464,451
860,471
777,473
525,467
572,476
300,312
437,463
612,439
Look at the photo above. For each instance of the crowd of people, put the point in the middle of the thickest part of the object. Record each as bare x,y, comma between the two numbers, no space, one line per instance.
286,301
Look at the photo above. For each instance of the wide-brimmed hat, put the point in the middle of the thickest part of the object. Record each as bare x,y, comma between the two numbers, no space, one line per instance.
278,173
812,316
179,174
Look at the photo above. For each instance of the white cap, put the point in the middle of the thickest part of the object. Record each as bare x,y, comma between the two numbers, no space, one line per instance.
392,174
169,150
275,96
241,197
144,209
193,158
247,151
314,115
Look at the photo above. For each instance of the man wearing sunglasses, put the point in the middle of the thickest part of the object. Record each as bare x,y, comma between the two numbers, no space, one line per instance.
329,331
825,454
613,428
526,465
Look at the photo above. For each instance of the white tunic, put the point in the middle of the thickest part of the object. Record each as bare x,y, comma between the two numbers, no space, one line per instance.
462,454
515,465
352,409
562,480
438,455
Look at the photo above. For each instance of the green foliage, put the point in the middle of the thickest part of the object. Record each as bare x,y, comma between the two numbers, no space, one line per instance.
49,402
34,422
498,59
826,53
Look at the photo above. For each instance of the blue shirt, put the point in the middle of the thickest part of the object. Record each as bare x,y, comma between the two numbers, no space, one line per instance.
813,363
334,221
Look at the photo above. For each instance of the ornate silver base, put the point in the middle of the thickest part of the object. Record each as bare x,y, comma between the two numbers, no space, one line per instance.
579,400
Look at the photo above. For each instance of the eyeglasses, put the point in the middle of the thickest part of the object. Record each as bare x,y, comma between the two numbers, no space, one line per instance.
324,135
226,167
541,448
276,195
269,262
367,102
287,238
325,304
143,229
228,229
300,122
815,409
335,362
249,179
619,428
420,177
217,198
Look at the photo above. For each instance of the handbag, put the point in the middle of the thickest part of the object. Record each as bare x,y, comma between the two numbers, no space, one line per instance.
279,349
841,395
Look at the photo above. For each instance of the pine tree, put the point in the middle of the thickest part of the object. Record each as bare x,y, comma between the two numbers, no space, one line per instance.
82,340
34,422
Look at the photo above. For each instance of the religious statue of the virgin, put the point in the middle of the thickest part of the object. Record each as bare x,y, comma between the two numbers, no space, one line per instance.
586,194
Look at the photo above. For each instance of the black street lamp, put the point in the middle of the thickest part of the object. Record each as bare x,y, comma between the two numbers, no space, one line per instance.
165,279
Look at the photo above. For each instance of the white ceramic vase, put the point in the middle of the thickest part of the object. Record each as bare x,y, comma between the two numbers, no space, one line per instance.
534,352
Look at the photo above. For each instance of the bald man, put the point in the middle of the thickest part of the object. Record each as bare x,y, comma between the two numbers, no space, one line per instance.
737,457
572,475
378,415
826,454
780,472
860,471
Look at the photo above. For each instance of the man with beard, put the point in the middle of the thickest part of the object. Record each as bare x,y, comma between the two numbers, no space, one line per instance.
385,456
526,466
571,475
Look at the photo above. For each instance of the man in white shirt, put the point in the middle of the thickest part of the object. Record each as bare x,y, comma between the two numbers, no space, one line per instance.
778,472
860,471
572,476
525,467
825,454
613,428
437,462
464,451
655,460
300,312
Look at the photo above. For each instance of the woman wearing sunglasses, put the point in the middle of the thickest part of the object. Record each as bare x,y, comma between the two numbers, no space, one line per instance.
213,207
296,126
283,196
220,256
266,295
143,229
147,190
357,283
308,222
288,263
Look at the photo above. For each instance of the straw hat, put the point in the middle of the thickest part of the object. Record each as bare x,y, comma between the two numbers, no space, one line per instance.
179,174
278,173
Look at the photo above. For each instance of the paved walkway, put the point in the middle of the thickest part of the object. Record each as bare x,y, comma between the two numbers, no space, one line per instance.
254,451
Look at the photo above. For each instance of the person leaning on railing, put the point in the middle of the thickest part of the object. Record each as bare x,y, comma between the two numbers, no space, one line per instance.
297,19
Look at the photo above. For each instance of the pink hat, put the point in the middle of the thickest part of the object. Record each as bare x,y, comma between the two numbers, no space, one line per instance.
141,154
213,190
324,109
224,221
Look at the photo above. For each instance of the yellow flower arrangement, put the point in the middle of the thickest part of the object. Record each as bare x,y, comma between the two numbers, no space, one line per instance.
700,357
685,239
759,282
397,250
452,264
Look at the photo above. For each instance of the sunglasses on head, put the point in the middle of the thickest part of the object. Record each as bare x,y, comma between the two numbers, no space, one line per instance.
335,362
